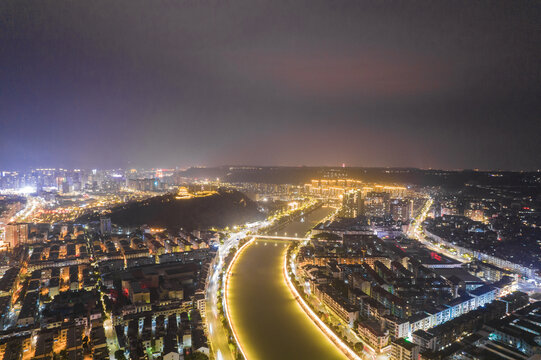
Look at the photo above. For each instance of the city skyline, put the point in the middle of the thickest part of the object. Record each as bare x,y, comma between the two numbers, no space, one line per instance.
265,179
450,85
289,263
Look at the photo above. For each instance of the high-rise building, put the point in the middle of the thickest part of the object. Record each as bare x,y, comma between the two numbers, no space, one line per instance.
353,203
401,209
64,230
16,234
105,225
376,204
65,188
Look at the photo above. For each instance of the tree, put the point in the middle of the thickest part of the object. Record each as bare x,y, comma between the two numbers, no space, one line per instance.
85,345
119,354
62,355
196,356
358,346
108,303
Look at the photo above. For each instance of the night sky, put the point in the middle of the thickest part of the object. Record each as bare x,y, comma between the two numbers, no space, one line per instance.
296,82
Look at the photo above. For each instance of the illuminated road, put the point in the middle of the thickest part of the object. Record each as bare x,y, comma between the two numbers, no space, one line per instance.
269,322
416,231
216,331
217,334
33,204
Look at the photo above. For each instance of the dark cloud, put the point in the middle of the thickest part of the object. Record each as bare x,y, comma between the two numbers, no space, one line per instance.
453,84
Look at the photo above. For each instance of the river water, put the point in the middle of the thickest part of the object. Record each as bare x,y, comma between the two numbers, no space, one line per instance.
269,322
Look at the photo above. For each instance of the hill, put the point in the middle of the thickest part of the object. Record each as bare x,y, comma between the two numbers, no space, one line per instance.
226,208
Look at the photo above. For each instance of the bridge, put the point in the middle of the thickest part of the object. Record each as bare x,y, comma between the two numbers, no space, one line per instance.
280,237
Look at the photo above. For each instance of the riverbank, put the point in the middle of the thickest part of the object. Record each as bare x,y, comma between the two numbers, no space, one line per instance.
287,267
226,337
264,313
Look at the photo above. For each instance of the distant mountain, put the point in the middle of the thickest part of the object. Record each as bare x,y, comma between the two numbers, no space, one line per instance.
406,176
226,208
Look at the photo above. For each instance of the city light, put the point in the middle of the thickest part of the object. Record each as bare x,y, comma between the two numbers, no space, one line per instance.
149,153
313,316
226,291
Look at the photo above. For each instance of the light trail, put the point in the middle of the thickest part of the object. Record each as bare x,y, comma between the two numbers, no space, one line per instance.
416,233
313,316
218,338
225,291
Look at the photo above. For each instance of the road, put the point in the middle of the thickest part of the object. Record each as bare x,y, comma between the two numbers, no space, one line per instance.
216,331
33,204
416,232
110,335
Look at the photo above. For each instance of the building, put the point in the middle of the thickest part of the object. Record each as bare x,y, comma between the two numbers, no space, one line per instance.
373,334
401,349
520,330
137,293
397,327
27,315
376,204
352,203
401,209
16,234
340,306
44,345
105,225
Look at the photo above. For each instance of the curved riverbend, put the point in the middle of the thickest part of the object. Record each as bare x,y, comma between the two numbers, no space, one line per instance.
312,315
268,321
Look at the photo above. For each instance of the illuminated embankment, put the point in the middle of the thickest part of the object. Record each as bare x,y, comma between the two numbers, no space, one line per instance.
225,292
313,316
268,322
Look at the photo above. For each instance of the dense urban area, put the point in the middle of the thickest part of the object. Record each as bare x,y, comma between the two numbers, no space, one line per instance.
405,264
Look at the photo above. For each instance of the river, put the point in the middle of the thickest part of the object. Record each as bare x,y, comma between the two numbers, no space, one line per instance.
269,322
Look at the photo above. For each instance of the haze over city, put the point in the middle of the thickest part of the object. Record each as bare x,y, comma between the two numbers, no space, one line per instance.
446,84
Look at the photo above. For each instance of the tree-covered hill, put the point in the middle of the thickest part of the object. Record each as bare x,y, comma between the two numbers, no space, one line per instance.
226,208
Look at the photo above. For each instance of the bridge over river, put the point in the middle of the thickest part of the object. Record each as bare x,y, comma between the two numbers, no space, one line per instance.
268,321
